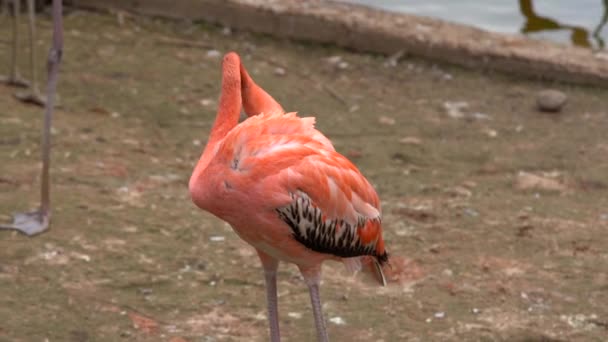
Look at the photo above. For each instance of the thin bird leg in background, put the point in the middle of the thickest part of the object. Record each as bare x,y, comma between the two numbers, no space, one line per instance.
312,277
270,266
32,95
35,222
13,78
313,288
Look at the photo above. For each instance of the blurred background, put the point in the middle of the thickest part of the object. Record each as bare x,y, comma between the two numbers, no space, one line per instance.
580,22
493,184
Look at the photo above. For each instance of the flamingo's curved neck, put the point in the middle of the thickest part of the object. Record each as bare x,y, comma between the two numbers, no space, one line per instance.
255,99
228,111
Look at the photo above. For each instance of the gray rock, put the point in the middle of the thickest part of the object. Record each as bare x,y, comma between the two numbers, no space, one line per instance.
551,100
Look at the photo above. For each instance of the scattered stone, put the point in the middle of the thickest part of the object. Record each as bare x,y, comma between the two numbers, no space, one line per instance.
419,213
333,60
217,238
410,141
459,191
145,291
550,100
580,321
386,120
475,311
469,184
213,54
490,133
294,315
206,102
226,31
439,315
337,320
337,62
454,109
279,71
471,212
530,181
480,116
342,65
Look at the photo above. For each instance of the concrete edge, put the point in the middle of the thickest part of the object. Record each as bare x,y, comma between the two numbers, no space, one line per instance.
369,30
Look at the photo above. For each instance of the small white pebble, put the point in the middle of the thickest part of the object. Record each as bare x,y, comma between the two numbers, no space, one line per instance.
440,314
475,311
386,120
337,320
206,102
279,71
295,315
217,238
480,116
491,133
196,142
342,65
261,316
213,54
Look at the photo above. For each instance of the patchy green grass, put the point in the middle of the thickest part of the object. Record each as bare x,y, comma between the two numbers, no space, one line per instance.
130,258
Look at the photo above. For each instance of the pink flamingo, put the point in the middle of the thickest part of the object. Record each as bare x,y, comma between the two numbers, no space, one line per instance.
284,189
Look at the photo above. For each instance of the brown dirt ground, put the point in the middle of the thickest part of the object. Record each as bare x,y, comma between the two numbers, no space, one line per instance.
130,258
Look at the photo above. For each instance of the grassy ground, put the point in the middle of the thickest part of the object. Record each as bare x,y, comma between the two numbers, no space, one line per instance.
479,254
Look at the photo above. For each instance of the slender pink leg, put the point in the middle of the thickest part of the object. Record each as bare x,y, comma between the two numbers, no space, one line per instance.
14,78
37,221
32,95
271,265
312,277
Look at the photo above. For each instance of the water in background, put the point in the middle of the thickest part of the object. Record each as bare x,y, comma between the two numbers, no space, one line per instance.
579,22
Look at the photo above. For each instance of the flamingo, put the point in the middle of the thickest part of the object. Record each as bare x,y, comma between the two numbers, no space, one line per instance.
33,94
284,189
37,221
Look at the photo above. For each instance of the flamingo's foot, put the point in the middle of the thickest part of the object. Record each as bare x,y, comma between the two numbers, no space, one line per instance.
15,81
30,223
31,96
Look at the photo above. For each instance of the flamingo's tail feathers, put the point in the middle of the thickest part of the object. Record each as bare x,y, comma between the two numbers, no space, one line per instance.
255,99
368,264
378,272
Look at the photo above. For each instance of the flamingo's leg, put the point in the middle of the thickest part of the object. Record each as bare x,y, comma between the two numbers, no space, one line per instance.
312,277
13,78
37,221
270,274
32,95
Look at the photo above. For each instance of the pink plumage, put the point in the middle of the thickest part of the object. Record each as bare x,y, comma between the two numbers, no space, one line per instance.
284,189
